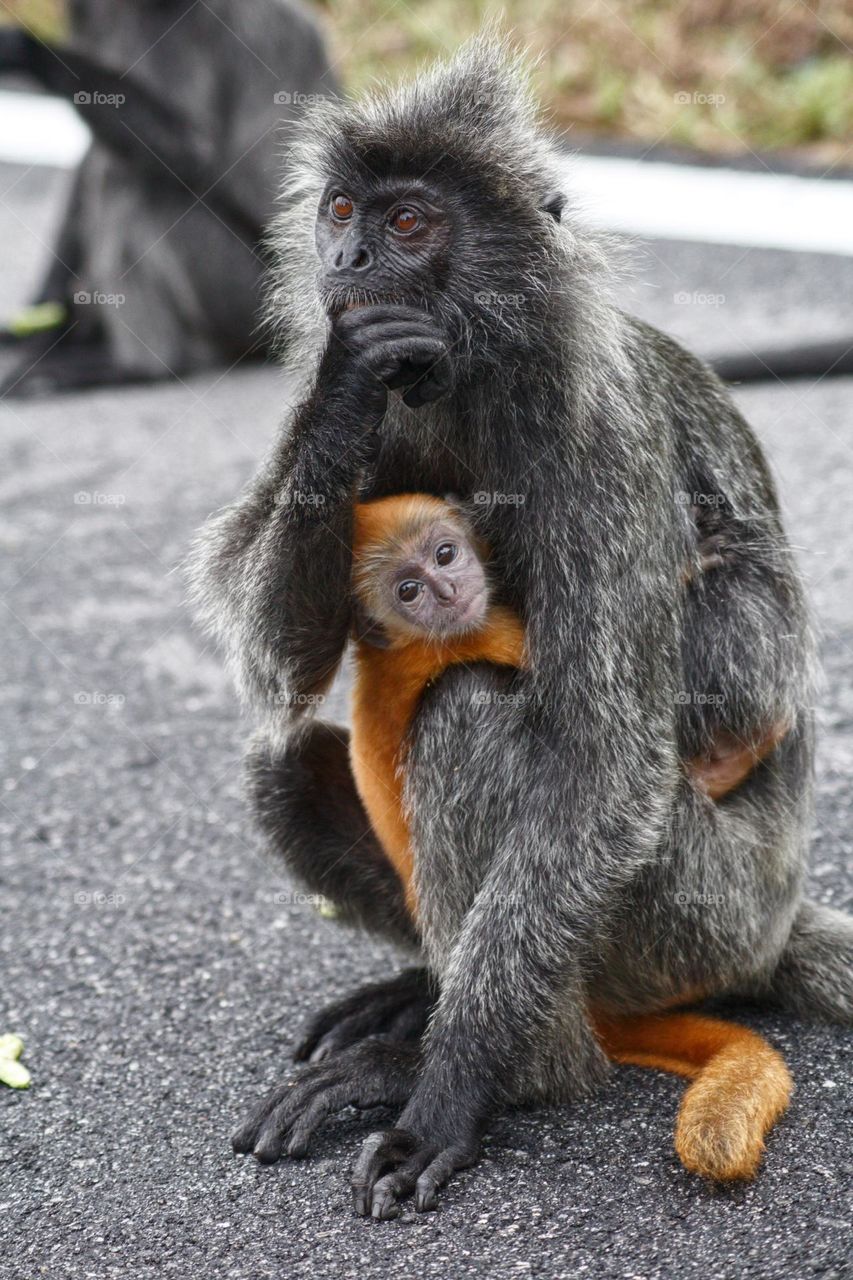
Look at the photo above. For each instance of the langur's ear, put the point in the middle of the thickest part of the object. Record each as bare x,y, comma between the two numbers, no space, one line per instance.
554,204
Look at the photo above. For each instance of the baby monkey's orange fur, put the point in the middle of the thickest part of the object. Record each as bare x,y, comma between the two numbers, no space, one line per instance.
740,1084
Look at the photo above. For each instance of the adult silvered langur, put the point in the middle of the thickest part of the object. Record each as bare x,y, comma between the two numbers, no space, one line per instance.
456,334
157,267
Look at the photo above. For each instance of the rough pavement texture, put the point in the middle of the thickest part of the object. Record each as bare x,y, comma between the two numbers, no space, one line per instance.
159,969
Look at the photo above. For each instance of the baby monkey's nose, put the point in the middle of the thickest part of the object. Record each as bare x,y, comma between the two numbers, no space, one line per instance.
446,591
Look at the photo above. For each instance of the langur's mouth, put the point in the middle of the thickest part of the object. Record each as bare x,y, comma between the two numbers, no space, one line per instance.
356,304
357,300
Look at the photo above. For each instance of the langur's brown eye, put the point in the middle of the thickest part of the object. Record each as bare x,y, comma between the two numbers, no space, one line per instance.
446,553
342,207
409,590
405,220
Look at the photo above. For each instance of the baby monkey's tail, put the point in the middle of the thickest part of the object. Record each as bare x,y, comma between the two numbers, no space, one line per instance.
741,1085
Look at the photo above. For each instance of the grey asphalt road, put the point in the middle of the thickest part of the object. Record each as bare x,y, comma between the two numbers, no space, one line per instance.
159,968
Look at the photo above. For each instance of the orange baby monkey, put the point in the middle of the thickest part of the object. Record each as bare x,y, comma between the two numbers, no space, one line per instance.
423,603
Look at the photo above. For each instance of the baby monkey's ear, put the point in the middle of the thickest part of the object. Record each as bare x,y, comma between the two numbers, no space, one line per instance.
456,504
365,630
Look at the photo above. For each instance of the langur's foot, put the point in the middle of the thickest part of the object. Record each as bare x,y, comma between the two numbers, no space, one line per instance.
396,1010
375,1073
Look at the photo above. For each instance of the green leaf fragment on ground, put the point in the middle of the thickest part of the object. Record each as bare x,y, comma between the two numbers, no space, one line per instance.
39,318
14,1074
11,1046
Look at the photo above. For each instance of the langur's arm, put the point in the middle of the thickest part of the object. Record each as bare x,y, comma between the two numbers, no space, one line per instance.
150,133
271,574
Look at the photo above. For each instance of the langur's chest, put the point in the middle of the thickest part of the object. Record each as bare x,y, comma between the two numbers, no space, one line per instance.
418,457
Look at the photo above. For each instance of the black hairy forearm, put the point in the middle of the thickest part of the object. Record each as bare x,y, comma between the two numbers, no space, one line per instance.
272,573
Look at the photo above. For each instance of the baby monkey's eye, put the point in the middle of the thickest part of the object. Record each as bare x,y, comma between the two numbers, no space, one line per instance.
342,207
409,590
446,553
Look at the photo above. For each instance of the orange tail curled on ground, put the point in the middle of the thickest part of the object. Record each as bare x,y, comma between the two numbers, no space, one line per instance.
741,1085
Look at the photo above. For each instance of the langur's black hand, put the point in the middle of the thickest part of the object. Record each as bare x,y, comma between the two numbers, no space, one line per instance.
376,349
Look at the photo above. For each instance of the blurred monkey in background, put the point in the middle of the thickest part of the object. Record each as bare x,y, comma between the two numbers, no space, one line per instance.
156,269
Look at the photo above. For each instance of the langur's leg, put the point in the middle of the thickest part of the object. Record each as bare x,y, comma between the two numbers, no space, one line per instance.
814,975
52,364
394,1010
363,1050
47,315
304,799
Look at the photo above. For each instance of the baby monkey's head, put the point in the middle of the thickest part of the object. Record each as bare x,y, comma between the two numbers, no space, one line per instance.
418,568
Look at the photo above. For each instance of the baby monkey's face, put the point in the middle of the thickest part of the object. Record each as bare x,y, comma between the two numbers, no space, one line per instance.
439,585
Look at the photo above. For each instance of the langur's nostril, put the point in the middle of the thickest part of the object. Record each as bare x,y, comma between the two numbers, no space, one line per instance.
353,258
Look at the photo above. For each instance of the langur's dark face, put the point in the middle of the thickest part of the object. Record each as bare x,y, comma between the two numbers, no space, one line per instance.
381,242
440,587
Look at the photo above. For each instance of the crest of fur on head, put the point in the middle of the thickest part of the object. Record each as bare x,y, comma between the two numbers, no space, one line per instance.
472,125
394,542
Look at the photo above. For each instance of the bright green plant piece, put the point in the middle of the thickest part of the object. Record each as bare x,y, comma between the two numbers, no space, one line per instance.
11,1046
12,1072
41,317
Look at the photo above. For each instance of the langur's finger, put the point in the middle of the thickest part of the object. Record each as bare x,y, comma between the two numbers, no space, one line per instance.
433,1177
380,1150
